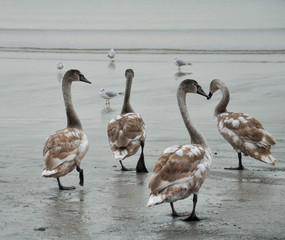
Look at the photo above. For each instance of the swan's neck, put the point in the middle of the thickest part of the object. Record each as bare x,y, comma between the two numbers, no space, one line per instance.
222,105
127,108
72,118
196,137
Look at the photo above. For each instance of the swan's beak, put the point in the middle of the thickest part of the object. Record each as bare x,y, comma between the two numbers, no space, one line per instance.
210,95
83,79
201,92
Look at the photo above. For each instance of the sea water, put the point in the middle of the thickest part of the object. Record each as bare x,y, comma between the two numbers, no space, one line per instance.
148,26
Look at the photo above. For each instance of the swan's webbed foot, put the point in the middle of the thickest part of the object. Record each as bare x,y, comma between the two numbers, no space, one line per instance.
236,168
174,213
62,187
124,168
191,218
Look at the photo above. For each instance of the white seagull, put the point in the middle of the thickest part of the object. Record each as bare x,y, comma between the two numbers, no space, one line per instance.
111,54
59,66
180,62
106,94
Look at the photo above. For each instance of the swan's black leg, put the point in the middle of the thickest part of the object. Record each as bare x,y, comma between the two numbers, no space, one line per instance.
240,166
81,176
193,216
174,213
62,187
141,165
124,168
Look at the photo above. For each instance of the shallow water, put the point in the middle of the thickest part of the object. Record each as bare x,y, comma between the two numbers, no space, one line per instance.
246,51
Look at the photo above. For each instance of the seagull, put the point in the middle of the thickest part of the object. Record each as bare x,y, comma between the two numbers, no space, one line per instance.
106,94
59,66
180,62
111,54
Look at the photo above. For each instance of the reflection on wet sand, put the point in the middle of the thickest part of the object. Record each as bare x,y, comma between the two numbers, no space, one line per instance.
59,76
64,213
107,113
112,66
180,74
126,186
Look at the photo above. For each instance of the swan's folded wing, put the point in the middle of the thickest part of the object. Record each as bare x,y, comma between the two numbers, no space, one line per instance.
125,128
177,164
63,145
248,129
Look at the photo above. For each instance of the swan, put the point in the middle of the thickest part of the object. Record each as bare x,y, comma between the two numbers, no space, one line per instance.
112,54
181,169
243,132
180,62
64,150
107,94
126,132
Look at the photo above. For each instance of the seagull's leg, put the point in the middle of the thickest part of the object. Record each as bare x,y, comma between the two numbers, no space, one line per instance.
240,166
141,165
62,187
81,177
193,216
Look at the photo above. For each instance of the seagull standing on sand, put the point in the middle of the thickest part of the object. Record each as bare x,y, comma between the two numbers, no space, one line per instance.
111,54
180,62
59,66
106,94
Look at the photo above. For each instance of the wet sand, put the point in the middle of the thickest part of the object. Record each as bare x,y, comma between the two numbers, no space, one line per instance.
112,204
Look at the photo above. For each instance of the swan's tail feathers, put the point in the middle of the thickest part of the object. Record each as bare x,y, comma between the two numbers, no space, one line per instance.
120,154
155,199
48,173
121,93
269,159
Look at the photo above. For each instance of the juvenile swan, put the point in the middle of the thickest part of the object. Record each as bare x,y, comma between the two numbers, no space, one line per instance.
126,132
64,150
181,169
243,132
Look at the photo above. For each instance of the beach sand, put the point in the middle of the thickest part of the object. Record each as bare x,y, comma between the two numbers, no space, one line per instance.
245,204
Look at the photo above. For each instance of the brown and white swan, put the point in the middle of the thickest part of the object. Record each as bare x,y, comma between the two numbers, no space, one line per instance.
243,132
64,150
126,132
181,169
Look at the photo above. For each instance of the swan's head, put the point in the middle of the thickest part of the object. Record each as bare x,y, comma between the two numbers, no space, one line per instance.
214,86
192,86
129,73
73,75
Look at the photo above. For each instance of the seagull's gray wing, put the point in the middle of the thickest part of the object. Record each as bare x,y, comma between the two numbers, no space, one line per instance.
180,62
110,94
